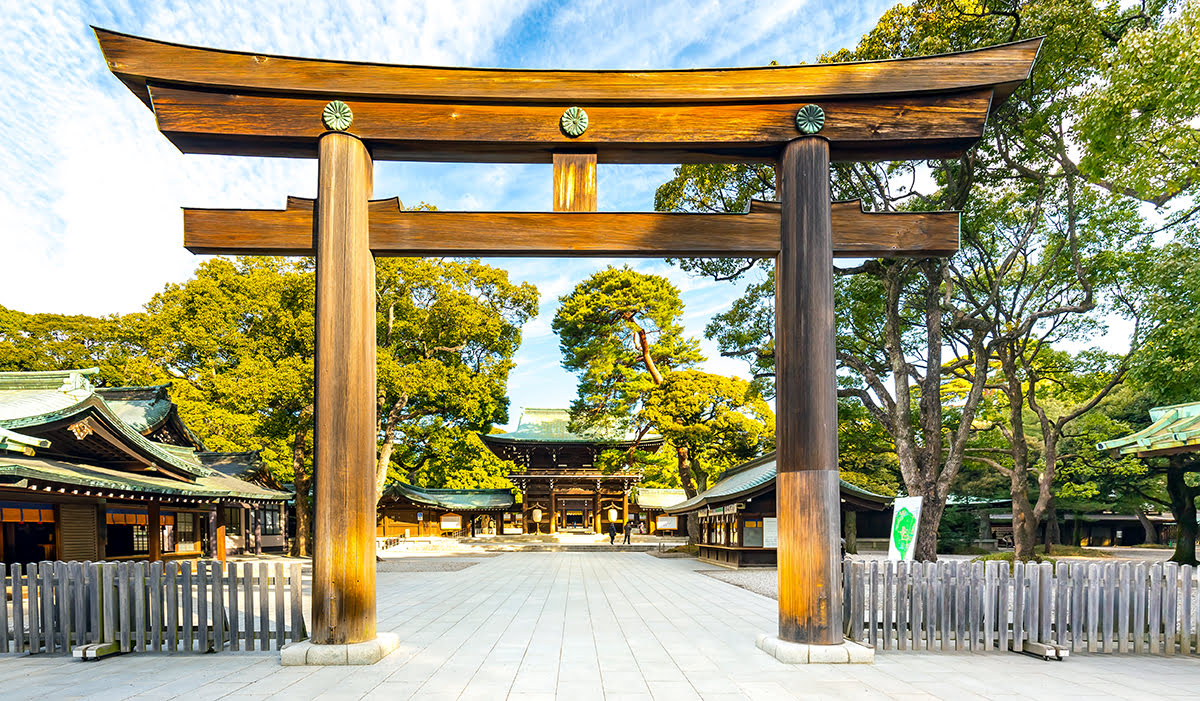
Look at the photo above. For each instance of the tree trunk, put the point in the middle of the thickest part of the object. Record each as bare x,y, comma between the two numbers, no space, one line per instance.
1147,527
644,348
302,481
932,507
1183,506
1052,535
693,527
685,471
1024,517
384,458
1024,524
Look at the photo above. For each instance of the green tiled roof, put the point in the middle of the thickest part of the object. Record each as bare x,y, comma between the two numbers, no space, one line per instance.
1173,427
550,426
17,469
753,476
29,400
142,408
453,499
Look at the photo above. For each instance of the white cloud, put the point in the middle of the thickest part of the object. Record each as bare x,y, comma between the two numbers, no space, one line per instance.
90,192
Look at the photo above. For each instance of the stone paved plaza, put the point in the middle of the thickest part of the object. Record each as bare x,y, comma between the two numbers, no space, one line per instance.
581,626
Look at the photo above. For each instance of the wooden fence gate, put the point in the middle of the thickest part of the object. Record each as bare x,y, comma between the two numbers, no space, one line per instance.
1109,607
202,606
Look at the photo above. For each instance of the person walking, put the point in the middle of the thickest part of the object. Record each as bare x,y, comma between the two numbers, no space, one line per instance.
612,533
628,530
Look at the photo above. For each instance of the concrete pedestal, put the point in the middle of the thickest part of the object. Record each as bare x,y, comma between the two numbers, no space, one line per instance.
368,652
801,653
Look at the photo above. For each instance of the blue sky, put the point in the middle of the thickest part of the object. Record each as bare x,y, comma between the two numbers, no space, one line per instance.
90,193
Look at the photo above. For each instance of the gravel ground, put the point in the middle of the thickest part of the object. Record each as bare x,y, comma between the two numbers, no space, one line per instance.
420,564
760,580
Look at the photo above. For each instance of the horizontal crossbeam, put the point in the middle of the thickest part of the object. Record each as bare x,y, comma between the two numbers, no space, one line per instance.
863,129
234,103
395,232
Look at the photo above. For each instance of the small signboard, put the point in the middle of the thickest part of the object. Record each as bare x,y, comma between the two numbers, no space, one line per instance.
667,522
451,522
770,536
906,515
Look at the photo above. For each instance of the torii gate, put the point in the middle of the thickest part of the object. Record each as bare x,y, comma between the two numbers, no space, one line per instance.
348,114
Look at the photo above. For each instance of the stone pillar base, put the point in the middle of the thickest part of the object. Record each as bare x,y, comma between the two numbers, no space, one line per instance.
367,652
802,653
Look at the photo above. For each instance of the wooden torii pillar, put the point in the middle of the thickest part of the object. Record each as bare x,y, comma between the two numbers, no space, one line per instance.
345,114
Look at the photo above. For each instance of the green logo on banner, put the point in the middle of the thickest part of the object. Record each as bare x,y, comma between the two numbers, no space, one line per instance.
903,529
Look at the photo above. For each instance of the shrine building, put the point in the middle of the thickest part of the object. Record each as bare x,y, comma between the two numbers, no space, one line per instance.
90,473
558,474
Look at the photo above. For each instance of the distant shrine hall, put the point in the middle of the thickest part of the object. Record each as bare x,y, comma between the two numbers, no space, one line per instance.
562,488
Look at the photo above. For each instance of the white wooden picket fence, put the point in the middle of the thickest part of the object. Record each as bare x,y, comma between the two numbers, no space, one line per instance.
187,606
1109,607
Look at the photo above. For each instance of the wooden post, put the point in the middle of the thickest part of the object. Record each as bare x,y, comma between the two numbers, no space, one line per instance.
213,510
574,182
101,530
155,530
596,510
343,601
219,533
553,511
257,514
810,597
625,507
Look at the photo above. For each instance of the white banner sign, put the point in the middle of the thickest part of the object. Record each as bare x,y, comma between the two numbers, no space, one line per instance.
451,522
668,522
770,533
902,538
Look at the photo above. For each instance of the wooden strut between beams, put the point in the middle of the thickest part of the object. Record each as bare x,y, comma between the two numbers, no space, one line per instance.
289,232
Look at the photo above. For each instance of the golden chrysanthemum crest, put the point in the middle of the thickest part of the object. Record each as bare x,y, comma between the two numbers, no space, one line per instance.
810,119
573,122
337,116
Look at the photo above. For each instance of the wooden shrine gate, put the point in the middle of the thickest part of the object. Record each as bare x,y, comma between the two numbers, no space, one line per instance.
347,114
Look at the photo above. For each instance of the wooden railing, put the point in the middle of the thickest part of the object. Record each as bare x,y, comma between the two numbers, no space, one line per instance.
190,606
1110,607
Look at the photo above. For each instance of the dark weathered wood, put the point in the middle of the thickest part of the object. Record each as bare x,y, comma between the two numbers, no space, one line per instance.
138,61
4,609
248,597
264,607
867,128
574,182
343,600
202,610
218,605
18,598
280,597
873,604
1185,610
810,606
629,234
235,639
79,595
124,589
1140,590
137,581
107,582
296,587
172,606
